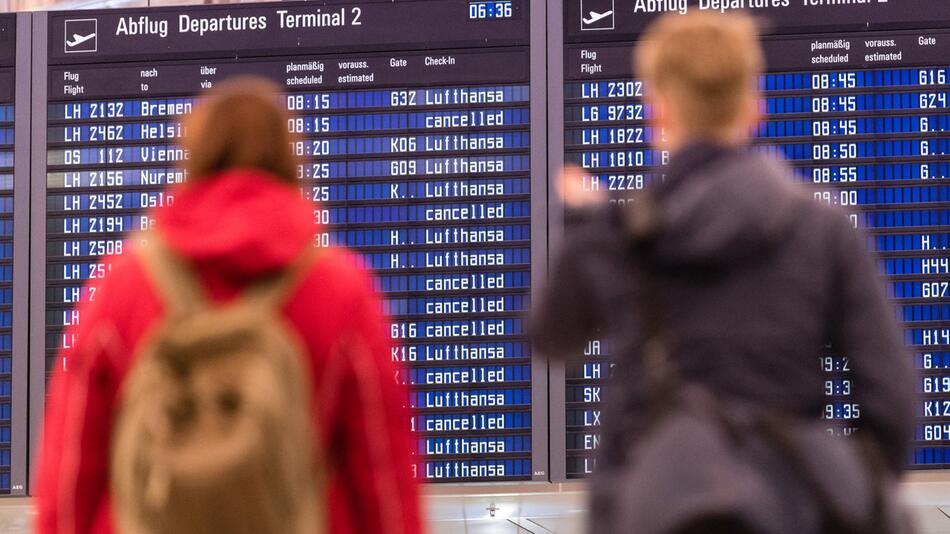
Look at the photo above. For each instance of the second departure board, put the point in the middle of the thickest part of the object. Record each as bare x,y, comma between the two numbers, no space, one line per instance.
863,114
416,134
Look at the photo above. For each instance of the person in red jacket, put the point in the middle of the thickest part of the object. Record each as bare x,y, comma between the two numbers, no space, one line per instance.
240,217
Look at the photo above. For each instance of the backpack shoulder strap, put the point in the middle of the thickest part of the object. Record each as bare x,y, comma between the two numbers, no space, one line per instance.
272,291
179,287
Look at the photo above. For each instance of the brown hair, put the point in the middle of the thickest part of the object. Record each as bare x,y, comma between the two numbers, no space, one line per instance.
240,124
706,64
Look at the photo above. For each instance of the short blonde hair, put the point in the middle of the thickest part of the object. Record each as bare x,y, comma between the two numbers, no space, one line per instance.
705,64
240,124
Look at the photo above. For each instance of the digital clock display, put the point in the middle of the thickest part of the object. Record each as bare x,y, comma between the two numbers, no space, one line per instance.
490,10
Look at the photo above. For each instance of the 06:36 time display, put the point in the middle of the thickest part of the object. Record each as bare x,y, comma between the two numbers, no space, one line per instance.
490,10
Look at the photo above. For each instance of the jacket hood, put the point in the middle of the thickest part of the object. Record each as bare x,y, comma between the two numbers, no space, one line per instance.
720,206
242,223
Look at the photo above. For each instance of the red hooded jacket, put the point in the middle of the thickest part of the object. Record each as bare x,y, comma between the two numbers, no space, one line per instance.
235,228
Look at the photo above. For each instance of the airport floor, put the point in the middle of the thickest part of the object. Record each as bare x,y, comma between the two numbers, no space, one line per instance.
549,508
560,509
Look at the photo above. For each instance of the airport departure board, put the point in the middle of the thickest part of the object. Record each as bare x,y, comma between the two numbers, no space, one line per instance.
427,131
858,107
7,158
415,129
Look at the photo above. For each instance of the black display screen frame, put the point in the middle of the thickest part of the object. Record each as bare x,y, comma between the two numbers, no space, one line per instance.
113,68
795,25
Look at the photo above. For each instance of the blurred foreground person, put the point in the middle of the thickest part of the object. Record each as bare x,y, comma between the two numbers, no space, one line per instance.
228,377
718,289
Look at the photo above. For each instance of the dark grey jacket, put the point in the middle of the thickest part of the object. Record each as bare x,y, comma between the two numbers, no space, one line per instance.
755,277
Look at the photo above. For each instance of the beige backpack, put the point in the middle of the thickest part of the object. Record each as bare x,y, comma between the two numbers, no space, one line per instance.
214,431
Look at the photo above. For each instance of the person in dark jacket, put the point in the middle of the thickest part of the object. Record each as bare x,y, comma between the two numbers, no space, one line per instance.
239,218
753,276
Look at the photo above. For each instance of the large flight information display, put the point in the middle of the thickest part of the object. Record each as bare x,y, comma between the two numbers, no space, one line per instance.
863,114
8,111
415,129
427,132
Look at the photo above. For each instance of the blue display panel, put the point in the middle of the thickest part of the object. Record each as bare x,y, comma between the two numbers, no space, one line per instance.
6,278
416,153
7,377
868,128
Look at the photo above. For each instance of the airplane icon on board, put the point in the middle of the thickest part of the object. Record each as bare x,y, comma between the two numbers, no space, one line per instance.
600,15
81,35
79,39
595,16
